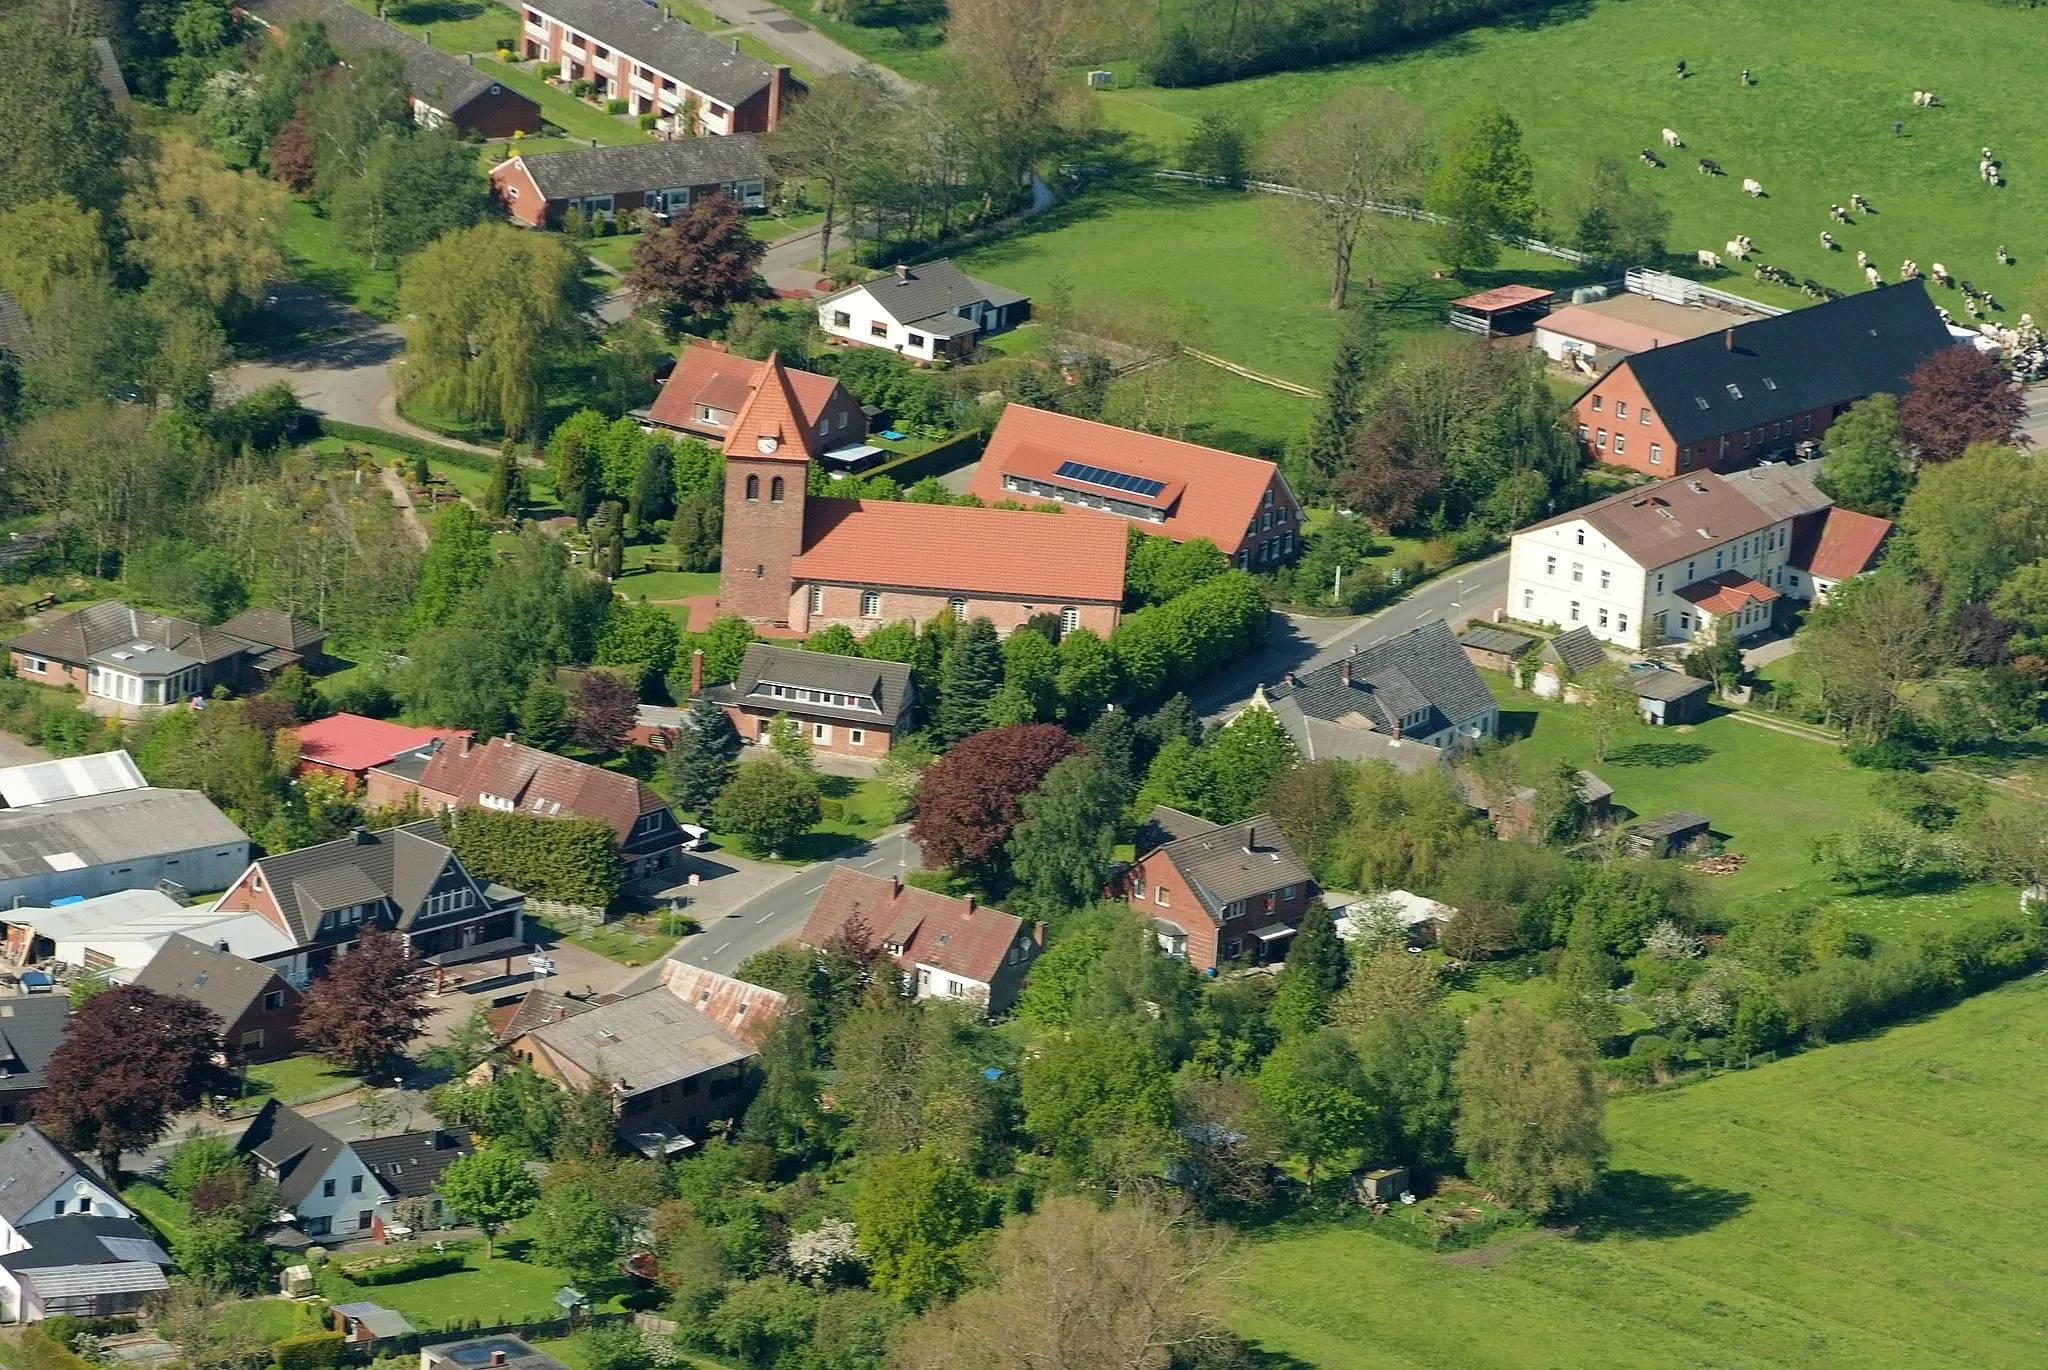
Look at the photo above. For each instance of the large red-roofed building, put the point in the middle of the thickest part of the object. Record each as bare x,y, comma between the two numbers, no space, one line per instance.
1175,489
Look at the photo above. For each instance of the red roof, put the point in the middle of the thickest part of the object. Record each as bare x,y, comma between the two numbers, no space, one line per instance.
1207,493
1846,545
947,549
351,742
1727,593
527,780
771,422
714,376
915,927
1502,297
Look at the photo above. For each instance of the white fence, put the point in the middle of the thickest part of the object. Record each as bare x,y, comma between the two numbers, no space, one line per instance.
1661,285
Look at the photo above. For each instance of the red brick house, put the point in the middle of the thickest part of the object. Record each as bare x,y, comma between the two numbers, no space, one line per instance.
709,386
1175,489
537,188
1218,893
693,83
950,948
808,563
1731,398
138,660
442,89
846,705
350,745
258,1008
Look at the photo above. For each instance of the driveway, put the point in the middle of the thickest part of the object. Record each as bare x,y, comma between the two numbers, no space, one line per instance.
775,914
1302,642
2034,425
802,44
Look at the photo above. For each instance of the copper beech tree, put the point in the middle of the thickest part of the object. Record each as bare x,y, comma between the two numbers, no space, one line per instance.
366,1006
131,1060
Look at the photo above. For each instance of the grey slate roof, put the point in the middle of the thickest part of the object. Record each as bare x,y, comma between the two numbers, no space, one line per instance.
224,984
1666,685
1811,358
85,1239
75,638
32,1164
1670,824
1482,637
669,165
1421,668
17,340
399,864
410,1163
290,1147
430,75
1577,651
1235,861
1784,490
381,1321
30,1028
275,628
642,1042
921,294
639,31
888,683
1164,825
101,829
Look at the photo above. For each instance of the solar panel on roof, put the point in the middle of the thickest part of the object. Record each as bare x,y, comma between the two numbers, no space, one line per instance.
1110,480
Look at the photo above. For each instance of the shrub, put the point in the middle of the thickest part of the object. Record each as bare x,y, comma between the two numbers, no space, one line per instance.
615,107
648,121
309,1351
37,1351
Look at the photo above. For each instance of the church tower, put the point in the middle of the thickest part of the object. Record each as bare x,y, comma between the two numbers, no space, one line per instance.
767,458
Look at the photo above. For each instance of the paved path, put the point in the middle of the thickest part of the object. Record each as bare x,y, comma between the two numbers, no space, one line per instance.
2034,425
802,44
402,497
1302,642
778,912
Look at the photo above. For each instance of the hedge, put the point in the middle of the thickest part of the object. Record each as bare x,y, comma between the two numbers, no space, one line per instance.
412,447
309,1351
425,1265
1189,637
575,860
949,455
35,1351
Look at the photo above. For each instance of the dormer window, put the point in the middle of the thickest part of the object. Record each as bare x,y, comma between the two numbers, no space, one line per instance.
1734,391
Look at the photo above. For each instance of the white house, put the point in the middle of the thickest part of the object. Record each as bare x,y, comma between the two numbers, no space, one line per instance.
324,1184
924,312
39,1180
1686,555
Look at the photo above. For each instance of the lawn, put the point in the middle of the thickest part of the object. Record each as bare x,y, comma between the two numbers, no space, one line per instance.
1832,76
1224,410
631,941
639,583
506,1288
865,807
1767,792
165,1213
913,51
562,109
316,254
456,26
1780,1217
296,1078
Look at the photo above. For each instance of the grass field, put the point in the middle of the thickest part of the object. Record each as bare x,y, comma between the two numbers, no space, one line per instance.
562,109
456,26
1871,1206
507,1288
1832,76
1768,793
318,256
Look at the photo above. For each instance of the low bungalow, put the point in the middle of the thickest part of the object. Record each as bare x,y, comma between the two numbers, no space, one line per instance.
350,746
135,660
1413,700
845,705
1218,892
130,839
538,188
950,948
926,313
258,1008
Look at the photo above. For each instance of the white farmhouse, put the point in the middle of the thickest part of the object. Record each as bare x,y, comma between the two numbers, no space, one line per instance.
41,1180
1688,555
326,1187
925,312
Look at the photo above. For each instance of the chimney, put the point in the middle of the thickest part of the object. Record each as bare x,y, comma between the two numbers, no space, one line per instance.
1728,338
1397,730
970,903
497,1357
696,673
362,837
735,46
1289,678
902,272
561,1012
1344,670
896,885
1251,838
775,86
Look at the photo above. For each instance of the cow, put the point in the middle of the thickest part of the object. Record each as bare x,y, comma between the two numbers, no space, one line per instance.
1737,250
1870,274
1861,205
1862,259
1941,276
2004,257
1827,240
1710,167
1672,140
1651,159
1708,258
1838,214
1753,189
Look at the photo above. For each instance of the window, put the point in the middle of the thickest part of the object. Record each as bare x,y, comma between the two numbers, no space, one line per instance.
1621,409
1596,404
1159,896
1138,884
1684,621
364,1219
817,599
355,1184
824,425
1745,436
1600,439
327,1189
870,603
1701,400
841,319
511,192
1719,556
1603,617
1656,454
1582,537
1585,435
1660,582
753,489
34,663
1644,416
1621,623
878,329
775,491
1578,572
1806,423
822,733
916,340
1235,949
59,1206
1528,599
1734,391
959,607
273,1001
842,418
1605,577
857,736
601,52
1690,573
1070,619
1550,566
1575,611
1620,441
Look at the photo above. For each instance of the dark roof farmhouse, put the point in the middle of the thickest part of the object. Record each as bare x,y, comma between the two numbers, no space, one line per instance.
536,188
924,312
441,88
830,696
1410,700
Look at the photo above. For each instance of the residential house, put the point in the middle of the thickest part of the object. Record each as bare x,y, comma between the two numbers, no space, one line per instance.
321,1180
351,746
692,83
31,1026
258,1008
927,313
41,1179
1495,649
84,1266
1175,489
134,660
116,935
405,880
538,188
499,1351
1414,700
950,948
1756,389
1220,892
130,839
790,559
846,705
510,777
675,1056
705,393
1686,556
297,641
441,89
69,777
408,1165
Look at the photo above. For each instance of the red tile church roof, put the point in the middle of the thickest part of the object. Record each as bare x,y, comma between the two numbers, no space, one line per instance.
1056,559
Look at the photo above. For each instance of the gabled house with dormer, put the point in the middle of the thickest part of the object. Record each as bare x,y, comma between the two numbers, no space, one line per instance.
926,313
950,948
41,1179
321,1182
844,704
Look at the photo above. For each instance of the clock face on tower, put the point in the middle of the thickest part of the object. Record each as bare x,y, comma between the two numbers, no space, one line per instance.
766,442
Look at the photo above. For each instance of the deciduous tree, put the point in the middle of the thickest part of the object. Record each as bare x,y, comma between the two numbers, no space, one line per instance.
1249,753
1314,1083
829,136
916,1212
768,804
1956,397
1366,146
1875,636
458,559
576,1230
64,135
968,803
490,1188
1865,465
366,1006
1485,186
601,710
130,1061
1977,519
203,229
1529,1115
1064,845
704,261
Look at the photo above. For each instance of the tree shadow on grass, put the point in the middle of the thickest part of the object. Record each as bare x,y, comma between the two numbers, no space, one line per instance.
1515,724
1630,1203
1265,1358
439,11
1660,754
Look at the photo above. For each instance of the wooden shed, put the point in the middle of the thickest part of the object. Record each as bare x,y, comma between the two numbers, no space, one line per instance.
1671,834
1504,311
1495,649
1666,697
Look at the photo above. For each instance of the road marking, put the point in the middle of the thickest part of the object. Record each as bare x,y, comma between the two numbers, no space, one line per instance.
765,917
721,947
815,888
876,862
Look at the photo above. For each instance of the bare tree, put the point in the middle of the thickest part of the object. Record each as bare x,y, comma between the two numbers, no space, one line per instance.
829,137
1365,146
1016,53
1077,1287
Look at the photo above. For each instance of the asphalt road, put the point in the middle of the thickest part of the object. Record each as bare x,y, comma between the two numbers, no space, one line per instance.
796,40
1302,642
776,914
